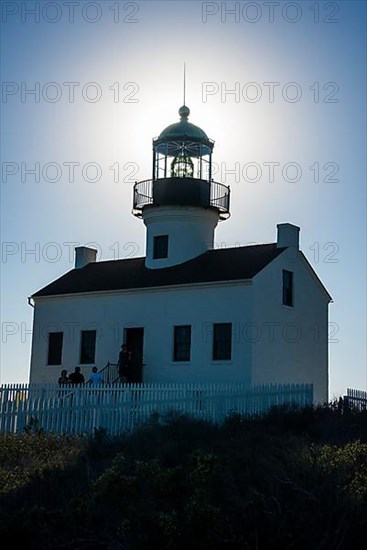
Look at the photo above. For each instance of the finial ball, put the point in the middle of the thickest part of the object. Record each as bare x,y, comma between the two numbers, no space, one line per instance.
184,112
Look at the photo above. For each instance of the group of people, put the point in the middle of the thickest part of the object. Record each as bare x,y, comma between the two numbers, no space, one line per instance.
95,378
76,377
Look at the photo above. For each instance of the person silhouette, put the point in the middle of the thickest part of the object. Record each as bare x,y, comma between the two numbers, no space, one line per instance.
76,377
124,364
64,379
95,377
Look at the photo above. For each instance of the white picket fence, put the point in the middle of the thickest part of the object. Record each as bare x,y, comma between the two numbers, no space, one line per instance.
118,408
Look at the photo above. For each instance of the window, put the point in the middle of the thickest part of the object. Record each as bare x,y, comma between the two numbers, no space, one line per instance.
160,247
222,341
287,288
55,348
182,343
88,347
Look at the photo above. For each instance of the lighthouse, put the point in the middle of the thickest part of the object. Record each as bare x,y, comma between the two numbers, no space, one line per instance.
187,312
181,205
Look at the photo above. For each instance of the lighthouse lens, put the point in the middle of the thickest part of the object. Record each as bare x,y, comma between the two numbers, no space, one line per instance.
182,167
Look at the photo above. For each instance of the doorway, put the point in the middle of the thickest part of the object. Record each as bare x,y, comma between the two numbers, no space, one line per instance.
134,339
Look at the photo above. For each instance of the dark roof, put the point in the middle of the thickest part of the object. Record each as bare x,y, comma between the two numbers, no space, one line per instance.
171,139
226,264
182,130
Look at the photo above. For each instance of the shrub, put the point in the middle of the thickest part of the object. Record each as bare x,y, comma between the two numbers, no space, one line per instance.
289,479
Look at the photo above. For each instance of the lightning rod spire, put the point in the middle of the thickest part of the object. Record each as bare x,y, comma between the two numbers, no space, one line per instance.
184,85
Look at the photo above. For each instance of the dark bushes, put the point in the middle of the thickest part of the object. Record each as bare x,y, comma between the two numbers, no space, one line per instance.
291,479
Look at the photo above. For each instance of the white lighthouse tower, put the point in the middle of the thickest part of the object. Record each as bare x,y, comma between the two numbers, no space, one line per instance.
181,205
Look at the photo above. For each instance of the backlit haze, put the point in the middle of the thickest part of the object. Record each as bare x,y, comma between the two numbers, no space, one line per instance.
276,84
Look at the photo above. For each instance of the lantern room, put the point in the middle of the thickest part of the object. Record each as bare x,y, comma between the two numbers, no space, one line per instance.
182,150
182,171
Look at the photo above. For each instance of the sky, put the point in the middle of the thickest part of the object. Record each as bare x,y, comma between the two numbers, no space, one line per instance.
280,87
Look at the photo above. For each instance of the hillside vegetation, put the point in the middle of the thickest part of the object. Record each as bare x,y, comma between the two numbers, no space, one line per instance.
291,479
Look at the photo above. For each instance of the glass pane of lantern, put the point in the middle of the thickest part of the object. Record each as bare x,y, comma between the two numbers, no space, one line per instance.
182,167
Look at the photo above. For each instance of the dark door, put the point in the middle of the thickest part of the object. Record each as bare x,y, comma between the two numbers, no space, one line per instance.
134,339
